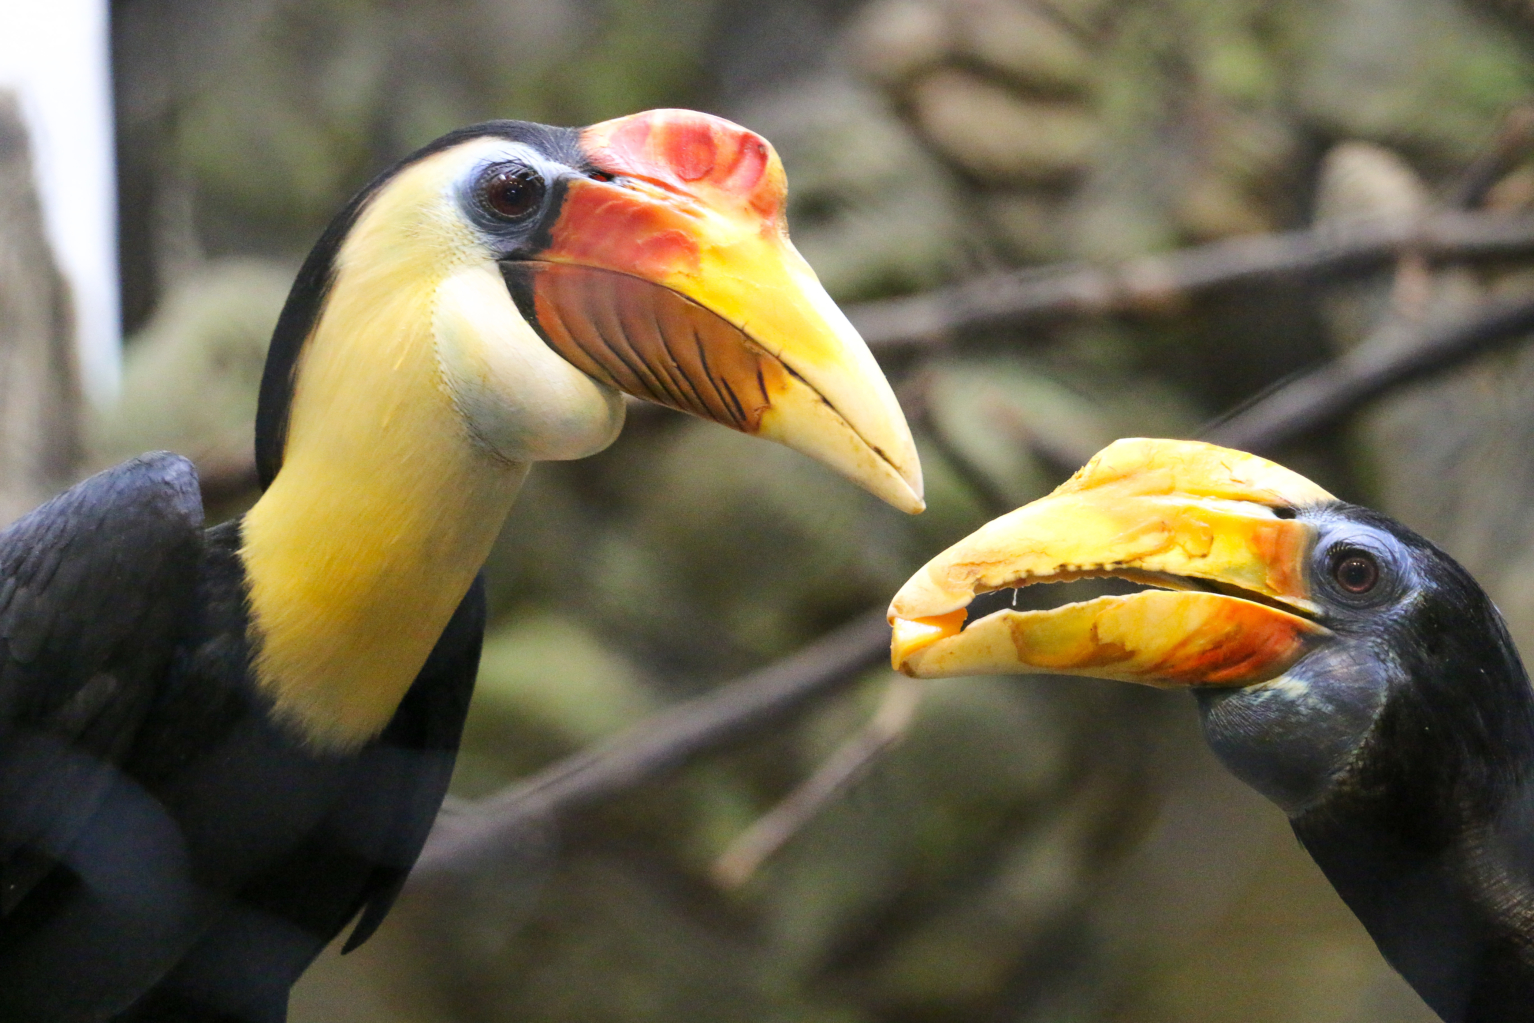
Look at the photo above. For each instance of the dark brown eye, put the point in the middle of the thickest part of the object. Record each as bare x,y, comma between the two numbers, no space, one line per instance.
1357,572
514,192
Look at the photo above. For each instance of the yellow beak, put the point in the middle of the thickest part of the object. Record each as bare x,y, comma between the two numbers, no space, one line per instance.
1213,528
670,276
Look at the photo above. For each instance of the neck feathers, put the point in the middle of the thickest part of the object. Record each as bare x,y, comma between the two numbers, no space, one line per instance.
385,506
1430,841
1458,925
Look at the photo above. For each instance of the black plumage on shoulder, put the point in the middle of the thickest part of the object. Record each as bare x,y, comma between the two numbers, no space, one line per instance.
96,588
157,821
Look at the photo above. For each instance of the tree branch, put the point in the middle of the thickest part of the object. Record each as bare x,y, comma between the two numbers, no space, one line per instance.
1163,282
1396,354
39,374
655,746
227,474
890,723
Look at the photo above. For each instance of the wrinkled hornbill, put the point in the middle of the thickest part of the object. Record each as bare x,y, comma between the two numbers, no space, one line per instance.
1344,667
218,747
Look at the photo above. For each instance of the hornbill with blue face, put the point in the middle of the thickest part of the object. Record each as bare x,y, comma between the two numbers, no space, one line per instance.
218,747
1344,667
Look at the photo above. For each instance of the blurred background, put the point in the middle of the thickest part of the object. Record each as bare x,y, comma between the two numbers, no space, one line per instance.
1022,850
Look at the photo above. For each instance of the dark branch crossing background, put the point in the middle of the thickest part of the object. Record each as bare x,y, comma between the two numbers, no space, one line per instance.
691,789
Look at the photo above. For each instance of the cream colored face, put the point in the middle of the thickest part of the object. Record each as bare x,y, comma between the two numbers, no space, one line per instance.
664,269
416,255
670,278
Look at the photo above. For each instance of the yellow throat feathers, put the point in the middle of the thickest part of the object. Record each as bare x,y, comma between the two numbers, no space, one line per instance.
385,506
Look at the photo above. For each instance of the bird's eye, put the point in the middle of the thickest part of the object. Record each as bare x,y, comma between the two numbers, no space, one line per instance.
513,192
1356,571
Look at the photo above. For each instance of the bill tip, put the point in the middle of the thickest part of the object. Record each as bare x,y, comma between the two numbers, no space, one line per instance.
910,636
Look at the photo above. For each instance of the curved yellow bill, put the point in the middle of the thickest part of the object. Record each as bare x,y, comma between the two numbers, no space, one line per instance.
1214,528
669,274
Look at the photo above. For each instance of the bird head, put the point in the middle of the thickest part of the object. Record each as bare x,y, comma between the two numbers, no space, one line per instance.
1315,633
561,268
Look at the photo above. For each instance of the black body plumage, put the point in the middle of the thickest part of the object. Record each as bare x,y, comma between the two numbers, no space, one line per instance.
1430,838
169,852
1407,766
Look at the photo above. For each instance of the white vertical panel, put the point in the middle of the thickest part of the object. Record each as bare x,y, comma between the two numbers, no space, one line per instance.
56,55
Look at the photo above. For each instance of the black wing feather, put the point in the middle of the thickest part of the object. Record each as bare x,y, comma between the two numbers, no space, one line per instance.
95,589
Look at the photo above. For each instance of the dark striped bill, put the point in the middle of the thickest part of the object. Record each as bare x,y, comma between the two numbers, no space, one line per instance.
648,341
